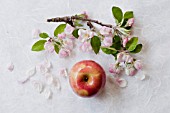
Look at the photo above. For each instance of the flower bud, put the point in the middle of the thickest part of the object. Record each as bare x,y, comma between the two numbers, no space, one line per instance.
138,64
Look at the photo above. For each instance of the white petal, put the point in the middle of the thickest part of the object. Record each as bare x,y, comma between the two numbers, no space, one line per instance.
47,93
63,72
47,64
35,33
49,79
38,86
11,66
31,72
121,82
56,83
140,77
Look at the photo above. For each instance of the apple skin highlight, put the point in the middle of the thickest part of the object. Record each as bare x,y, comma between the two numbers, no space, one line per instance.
87,78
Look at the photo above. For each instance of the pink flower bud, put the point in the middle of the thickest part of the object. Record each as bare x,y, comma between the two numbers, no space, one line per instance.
64,53
119,57
86,46
125,40
106,31
49,47
138,64
130,22
129,59
85,14
107,41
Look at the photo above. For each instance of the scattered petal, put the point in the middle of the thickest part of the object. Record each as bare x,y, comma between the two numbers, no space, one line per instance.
56,83
49,79
121,82
24,80
47,93
31,72
63,72
47,64
11,67
38,86
35,33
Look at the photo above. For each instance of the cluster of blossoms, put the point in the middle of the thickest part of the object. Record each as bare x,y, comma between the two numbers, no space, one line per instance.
112,40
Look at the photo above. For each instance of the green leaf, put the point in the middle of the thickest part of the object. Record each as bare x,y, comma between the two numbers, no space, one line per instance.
59,29
132,43
128,15
43,35
56,48
75,33
77,23
137,49
95,43
39,45
108,50
116,43
117,13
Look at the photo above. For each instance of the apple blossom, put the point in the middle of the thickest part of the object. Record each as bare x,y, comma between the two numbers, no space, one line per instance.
107,41
130,22
49,47
85,35
86,46
115,69
130,70
68,31
62,36
138,64
106,31
68,44
129,58
120,56
64,53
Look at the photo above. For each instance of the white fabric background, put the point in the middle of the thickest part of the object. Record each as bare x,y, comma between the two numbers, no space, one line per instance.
19,17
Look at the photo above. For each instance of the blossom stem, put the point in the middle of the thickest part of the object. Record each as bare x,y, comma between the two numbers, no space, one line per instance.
69,20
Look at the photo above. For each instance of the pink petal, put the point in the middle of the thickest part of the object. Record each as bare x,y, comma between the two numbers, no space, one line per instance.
63,72
11,67
121,82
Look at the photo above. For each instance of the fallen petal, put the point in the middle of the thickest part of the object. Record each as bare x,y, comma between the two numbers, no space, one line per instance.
49,79
141,77
63,72
38,86
35,33
121,82
56,83
24,80
31,72
47,93
11,67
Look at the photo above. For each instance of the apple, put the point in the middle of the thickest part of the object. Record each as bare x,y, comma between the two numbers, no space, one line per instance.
87,78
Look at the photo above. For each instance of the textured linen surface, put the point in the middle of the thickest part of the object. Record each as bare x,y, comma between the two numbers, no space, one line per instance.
152,25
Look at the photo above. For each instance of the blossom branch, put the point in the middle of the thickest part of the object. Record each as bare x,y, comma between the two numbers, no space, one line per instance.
70,19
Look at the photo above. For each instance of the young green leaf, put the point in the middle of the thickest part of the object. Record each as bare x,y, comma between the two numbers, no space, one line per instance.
108,50
43,35
39,45
56,48
132,43
75,33
59,29
128,15
117,13
116,43
137,49
95,43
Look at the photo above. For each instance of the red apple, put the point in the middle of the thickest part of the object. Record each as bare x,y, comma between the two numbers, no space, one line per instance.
87,78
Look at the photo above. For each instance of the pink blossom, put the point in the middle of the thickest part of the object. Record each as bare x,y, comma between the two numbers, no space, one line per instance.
69,29
125,40
106,31
107,41
138,64
62,36
68,44
86,46
130,22
113,68
129,59
64,53
84,35
49,47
